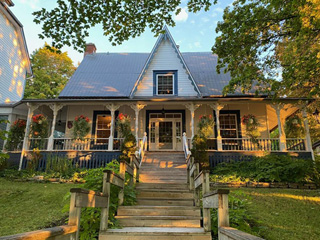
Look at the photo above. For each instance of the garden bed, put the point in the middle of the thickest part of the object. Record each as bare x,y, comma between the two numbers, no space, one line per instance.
249,184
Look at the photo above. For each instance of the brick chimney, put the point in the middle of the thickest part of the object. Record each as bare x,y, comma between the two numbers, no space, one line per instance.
90,49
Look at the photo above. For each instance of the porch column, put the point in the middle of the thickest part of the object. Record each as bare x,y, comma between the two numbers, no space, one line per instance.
10,122
31,109
55,109
137,108
112,108
308,138
192,108
217,107
281,121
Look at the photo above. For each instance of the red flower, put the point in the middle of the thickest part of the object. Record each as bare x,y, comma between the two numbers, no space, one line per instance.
76,118
87,119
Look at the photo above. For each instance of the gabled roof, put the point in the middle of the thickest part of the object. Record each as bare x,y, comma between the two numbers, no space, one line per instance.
110,75
4,7
162,37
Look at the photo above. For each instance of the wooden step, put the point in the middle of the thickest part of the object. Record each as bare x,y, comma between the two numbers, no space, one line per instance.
158,211
165,195
159,221
148,178
164,202
152,233
177,186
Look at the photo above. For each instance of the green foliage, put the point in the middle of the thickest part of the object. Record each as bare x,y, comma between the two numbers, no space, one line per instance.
199,141
239,216
59,166
51,69
69,22
3,156
270,168
16,135
258,37
90,217
294,127
33,161
81,127
129,145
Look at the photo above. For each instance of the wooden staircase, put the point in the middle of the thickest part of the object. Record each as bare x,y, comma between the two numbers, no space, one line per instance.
165,207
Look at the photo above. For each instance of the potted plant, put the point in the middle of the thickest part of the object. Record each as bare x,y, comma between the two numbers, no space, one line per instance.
81,127
39,131
294,127
16,135
251,125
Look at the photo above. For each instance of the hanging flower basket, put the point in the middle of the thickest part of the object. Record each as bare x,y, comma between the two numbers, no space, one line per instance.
123,124
16,135
251,124
294,127
39,126
205,125
81,127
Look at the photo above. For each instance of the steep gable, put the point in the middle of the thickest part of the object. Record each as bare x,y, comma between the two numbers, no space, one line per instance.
165,56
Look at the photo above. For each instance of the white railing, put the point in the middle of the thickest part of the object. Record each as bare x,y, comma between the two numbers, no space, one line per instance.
38,143
88,144
185,145
296,144
143,145
248,144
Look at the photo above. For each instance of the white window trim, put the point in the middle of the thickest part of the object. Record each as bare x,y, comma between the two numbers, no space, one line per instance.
235,117
165,74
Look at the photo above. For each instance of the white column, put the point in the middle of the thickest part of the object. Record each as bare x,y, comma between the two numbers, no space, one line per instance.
137,108
307,132
192,108
31,109
112,108
281,121
55,109
217,107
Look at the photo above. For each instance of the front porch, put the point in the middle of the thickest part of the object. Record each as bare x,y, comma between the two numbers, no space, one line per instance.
165,125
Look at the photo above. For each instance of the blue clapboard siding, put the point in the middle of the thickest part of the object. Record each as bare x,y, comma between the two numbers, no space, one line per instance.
86,160
216,158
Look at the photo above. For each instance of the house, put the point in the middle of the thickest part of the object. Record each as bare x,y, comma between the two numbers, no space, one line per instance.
14,66
164,92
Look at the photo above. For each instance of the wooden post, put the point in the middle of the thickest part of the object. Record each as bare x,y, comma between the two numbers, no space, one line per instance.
197,190
206,211
74,214
217,107
223,210
105,211
308,138
123,175
112,108
191,179
281,122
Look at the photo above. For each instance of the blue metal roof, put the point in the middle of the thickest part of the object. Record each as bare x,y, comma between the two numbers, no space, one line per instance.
103,75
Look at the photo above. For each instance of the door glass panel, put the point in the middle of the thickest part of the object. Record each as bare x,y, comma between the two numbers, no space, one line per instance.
228,126
153,132
165,135
103,128
178,131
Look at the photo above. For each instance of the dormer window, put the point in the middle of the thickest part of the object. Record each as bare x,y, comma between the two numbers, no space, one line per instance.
165,83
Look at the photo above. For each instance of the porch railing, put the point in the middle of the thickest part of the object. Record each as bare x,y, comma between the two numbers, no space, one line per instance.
88,144
247,144
39,143
296,144
143,145
186,145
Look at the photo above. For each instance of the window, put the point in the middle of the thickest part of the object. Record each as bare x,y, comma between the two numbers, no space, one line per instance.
103,125
165,84
228,126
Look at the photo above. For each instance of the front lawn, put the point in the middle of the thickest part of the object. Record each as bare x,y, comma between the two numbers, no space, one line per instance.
283,214
29,206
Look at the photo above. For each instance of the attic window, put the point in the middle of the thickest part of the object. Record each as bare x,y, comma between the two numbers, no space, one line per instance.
165,84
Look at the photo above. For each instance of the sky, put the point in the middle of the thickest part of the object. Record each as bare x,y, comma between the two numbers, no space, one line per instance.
193,32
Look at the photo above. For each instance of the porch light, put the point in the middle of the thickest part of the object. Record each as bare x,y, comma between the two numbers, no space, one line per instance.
316,115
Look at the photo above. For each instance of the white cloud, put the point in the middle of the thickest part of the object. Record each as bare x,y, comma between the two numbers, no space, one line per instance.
197,44
192,22
205,19
182,16
31,3
202,32
218,9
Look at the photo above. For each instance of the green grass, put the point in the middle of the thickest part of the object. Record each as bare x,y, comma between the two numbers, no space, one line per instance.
29,206
283,214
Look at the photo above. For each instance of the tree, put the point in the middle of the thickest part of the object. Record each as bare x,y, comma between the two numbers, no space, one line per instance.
52,69
272,44
69,22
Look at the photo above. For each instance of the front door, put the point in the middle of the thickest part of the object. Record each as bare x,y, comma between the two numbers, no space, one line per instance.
165,132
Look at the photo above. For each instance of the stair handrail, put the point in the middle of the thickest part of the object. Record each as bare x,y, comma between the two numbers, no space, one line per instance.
142,148
186,150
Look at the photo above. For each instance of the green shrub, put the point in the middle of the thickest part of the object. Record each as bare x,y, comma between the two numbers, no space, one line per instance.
16,135
90,217
270,168
59,167
238,215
